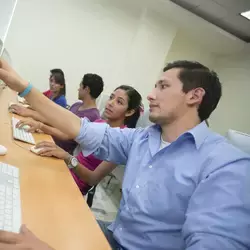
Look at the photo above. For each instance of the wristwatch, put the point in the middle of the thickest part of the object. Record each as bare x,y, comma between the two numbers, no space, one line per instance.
72,163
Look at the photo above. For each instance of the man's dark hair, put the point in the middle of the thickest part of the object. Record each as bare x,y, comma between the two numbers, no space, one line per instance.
195,75
95,84
56,71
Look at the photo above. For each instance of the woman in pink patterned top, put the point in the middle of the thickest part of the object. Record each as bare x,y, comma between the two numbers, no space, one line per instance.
122,110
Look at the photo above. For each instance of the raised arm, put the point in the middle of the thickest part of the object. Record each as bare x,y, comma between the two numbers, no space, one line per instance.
218,214
106,143
36,116
53,114
54,132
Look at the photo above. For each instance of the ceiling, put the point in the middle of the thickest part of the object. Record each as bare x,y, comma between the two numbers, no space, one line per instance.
222,13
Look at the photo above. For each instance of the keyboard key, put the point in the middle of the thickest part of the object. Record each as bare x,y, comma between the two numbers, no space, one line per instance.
10,204
21,134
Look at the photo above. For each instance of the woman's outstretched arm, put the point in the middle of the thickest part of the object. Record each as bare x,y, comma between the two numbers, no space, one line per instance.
56,116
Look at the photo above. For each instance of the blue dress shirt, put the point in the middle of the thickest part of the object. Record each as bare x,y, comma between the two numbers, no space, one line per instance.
193,194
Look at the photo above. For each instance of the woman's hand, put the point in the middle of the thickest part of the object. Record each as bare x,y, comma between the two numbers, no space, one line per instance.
34,125
11,78
51,149
20,110
25,240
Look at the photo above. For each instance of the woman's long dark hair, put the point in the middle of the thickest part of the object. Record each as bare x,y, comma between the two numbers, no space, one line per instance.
134,103
59,79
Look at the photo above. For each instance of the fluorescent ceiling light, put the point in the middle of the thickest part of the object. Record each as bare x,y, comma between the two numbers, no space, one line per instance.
246,14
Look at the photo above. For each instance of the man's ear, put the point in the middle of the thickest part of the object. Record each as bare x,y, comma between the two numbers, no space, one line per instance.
129,113
195,96
87,89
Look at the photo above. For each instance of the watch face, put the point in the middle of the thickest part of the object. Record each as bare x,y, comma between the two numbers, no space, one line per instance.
74,162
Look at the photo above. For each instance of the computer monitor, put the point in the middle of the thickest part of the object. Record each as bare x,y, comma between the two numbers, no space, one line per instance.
239,139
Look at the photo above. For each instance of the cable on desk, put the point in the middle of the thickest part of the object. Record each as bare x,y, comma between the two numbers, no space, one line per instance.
15,142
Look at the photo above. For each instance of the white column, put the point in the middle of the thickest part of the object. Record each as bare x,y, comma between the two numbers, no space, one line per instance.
7,9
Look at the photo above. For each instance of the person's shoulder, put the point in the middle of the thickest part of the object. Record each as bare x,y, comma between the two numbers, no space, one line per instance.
61,100
46,92
217,153
142,133
100,121
76,104
220,145
62,97
92,114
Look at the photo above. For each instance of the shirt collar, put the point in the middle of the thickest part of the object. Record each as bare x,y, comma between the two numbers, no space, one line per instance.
199,133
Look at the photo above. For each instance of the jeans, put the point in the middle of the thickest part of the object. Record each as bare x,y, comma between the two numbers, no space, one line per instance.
109,235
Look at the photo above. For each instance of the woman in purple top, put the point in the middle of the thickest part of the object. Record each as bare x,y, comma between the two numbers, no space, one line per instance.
90,88
122,110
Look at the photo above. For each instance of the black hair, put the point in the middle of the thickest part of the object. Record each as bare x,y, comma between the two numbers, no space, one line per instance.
59,79
56,71
195,75
134,103
95,84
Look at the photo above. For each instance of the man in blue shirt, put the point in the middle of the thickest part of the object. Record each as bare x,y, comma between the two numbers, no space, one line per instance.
184,187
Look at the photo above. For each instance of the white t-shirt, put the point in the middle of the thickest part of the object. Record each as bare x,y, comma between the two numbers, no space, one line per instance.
163,144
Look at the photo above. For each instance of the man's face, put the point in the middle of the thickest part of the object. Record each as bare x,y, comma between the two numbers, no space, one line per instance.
167,101
81,92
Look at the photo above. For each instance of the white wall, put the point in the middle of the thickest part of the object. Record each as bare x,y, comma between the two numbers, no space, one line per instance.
125,42
233,110
6,12
188,48
234,73
120,40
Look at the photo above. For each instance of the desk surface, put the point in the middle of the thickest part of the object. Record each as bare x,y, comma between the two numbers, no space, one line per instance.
52,206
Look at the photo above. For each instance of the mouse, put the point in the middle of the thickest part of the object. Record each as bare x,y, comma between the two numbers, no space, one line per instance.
3,150
26,127
35,150
10,104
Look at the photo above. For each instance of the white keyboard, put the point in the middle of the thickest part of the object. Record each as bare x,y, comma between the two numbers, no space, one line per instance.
21,134
10,203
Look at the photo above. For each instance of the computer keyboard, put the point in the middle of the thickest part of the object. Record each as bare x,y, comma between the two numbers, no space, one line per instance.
21,134
10,203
